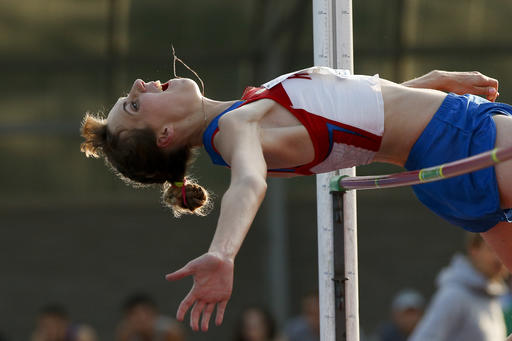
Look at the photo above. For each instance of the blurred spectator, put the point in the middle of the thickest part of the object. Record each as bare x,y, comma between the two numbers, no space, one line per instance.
53,324
305,327
406,311
255,324
507,306
142,322
466,305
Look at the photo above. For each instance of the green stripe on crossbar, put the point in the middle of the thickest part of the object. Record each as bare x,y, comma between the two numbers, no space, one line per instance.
431,173
494,156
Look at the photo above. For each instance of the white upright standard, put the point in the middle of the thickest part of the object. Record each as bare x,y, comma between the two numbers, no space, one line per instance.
332,32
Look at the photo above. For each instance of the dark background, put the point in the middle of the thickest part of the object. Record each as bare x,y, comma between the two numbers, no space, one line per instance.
73,233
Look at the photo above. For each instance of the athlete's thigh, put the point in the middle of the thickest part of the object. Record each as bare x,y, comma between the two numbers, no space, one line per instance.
499,239
504,169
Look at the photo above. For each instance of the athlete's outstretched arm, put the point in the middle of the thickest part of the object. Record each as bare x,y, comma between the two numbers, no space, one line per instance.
458,82
213,271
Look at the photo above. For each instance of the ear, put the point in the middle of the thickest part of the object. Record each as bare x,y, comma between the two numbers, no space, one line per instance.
165,137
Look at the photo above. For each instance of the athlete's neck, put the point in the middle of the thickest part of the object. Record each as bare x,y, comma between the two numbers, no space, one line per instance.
210,109
215,108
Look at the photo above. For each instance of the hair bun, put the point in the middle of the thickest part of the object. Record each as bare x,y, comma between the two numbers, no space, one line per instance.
94,131
196,197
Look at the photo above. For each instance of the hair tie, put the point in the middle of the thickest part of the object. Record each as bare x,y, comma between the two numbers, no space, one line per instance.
181,184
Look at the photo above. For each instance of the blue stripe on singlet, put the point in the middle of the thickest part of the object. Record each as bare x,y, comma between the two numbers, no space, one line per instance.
208,140
210,131
331,128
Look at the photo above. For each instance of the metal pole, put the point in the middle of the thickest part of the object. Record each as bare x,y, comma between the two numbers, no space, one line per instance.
332,32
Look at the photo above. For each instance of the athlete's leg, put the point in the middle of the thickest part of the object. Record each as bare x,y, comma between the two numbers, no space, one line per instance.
500,239
500,236
504,170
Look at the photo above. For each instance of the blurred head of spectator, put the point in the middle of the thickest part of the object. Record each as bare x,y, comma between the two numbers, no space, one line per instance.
406,310
140,312
255,324
142,321
53,324
483,258
306,326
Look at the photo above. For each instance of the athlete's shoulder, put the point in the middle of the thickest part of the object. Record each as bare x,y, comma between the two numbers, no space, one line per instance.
246,114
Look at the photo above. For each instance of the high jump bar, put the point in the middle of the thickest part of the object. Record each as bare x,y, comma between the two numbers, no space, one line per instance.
444,171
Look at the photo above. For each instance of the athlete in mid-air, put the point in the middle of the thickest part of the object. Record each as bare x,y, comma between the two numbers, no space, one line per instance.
310,121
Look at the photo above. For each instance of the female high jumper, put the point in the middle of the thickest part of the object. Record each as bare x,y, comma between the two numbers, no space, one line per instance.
310,121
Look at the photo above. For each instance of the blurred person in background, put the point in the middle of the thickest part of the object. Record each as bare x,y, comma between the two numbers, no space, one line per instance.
406,311
507,306
142,322
466,305
305,327
53,324
255,324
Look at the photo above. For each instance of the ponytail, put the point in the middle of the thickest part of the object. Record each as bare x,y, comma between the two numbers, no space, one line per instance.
94,130
185,197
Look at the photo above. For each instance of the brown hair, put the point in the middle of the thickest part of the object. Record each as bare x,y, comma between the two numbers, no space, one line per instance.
138,161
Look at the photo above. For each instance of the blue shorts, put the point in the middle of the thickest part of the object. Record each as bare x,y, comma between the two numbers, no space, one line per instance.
463,126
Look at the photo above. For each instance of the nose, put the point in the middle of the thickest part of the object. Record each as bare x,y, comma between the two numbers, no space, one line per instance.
138,86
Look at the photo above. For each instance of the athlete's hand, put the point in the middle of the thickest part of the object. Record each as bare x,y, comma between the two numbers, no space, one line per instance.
458,82
213,283
469,83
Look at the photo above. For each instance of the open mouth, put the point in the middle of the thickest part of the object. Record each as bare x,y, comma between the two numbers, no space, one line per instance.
165,86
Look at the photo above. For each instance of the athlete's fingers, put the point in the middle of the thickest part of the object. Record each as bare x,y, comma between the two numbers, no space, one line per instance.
195,315
206,316
483,80
179,274
492,94
490,88
184,306
490,82
488,92
221,307
473,83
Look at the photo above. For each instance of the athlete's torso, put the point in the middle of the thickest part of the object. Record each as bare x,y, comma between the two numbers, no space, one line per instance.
288,143
315,120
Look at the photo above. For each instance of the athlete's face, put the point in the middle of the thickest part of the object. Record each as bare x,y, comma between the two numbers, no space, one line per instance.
153,105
